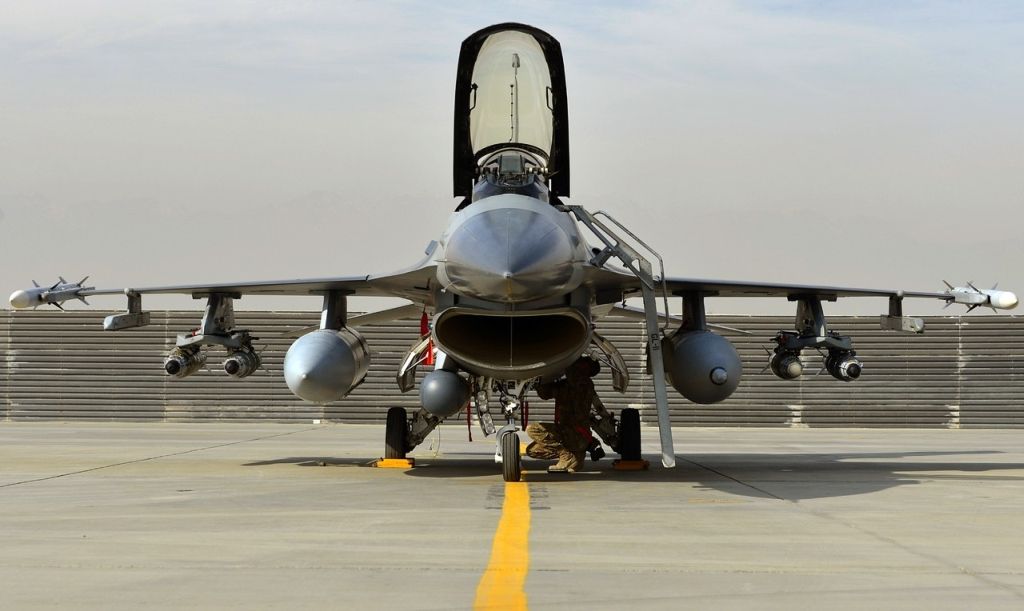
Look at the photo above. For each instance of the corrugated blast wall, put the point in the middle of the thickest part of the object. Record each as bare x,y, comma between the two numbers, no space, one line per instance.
963,372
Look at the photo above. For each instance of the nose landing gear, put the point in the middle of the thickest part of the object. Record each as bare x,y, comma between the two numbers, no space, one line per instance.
508,451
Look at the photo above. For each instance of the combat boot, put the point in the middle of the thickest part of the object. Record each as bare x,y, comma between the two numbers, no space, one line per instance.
567,463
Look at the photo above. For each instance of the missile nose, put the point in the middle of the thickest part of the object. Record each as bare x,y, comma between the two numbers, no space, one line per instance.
21,300
1005,300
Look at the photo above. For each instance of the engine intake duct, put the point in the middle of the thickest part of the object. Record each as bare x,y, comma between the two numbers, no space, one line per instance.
512,345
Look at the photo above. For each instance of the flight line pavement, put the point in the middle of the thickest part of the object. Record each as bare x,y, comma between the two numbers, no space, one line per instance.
262,515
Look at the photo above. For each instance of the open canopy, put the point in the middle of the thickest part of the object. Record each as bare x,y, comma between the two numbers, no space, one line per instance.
510,93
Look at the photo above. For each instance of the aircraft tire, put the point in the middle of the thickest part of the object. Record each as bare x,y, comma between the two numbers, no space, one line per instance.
396,433
511,461
629,434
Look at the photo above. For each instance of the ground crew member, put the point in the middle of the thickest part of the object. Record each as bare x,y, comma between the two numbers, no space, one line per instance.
568,437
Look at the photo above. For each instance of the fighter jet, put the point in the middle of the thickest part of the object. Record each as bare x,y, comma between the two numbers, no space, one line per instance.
509,293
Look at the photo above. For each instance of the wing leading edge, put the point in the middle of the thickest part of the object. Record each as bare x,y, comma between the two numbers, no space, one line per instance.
970,296
412,284
735,288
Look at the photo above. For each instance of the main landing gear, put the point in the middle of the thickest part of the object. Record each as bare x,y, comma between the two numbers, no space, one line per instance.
402,434
629,435
396,433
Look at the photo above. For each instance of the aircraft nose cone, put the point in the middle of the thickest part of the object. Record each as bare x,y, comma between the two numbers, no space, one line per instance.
509,255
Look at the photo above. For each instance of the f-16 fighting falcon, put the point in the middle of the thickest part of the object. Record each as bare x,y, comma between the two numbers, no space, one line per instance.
513,287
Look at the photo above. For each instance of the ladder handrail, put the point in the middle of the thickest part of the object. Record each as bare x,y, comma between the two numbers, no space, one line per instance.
607,235
641,268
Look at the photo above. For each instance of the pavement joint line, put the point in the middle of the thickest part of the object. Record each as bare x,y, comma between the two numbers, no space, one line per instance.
978,576
879,537
634,601
738,481
149,458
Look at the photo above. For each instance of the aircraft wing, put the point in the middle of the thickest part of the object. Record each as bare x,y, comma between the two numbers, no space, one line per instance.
412,284
735,288
969,295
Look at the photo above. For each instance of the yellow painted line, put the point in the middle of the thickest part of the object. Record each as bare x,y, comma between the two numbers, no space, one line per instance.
502,584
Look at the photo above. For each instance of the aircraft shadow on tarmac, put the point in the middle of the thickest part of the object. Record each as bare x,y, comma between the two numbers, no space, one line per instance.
792,477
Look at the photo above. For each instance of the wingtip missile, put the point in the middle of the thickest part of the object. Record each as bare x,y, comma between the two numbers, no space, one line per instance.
973,297
55,295
23,299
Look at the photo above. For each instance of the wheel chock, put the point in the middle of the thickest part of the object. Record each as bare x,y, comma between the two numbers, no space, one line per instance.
630,465
395,463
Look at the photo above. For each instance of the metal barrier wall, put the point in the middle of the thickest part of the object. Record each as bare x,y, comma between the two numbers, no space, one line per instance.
965,371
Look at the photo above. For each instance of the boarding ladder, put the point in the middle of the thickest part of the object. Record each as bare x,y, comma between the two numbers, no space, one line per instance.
639,266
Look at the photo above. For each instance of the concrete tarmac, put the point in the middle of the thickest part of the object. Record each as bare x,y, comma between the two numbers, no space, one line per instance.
233,515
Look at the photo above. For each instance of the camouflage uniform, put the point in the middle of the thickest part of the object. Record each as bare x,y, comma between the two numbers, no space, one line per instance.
569,436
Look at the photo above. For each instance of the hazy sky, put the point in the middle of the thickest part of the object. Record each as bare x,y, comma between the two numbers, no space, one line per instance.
809,142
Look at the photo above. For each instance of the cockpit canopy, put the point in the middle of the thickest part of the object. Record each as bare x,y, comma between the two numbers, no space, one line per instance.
511,120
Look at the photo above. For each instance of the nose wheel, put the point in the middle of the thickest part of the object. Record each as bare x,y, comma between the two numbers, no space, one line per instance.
507,452
511,459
